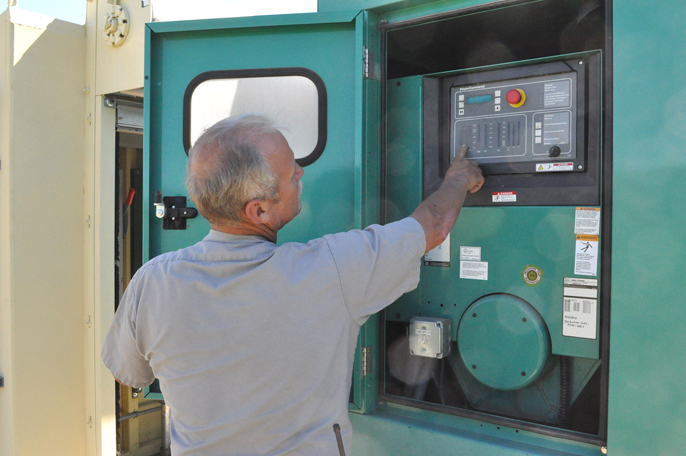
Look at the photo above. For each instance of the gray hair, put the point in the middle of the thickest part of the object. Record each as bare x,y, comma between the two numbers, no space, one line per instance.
225,169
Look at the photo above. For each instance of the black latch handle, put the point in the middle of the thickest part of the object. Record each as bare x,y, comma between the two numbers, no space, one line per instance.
173,211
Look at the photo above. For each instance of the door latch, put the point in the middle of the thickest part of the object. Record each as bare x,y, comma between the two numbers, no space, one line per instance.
173,211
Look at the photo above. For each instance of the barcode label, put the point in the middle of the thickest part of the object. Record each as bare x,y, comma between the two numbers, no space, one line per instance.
579,317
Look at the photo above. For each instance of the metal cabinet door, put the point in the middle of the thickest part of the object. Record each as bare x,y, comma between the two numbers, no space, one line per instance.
340,188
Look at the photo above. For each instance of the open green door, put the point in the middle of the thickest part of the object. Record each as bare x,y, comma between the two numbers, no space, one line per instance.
315,67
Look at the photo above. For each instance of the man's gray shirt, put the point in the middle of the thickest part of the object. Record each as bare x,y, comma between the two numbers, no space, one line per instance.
253,343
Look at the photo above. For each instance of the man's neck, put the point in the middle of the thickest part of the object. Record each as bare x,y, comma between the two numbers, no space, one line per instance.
244,228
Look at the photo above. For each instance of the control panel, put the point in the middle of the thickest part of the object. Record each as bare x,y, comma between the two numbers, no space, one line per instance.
533,128
523,120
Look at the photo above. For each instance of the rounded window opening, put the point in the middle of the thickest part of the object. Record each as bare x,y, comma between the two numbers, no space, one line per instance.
294,98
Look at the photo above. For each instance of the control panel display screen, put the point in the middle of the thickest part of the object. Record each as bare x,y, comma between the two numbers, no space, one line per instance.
530,119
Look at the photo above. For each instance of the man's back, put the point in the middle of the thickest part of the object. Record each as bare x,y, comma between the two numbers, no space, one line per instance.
254,343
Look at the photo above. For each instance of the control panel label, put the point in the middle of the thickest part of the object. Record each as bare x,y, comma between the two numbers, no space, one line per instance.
504,197
556,94
586,255
587,221
553,167
470,253
579,318
474,270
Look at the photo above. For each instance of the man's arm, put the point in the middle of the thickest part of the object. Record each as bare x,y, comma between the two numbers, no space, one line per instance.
438,213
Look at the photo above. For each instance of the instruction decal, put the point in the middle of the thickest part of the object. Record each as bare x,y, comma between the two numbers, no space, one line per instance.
504,197
586,255
587,220
470,253
554,167
532,275
474,270
579,317
439,256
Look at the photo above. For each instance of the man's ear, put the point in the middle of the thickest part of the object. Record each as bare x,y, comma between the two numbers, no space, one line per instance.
257,211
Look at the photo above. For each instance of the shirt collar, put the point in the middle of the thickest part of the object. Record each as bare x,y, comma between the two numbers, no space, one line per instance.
220,236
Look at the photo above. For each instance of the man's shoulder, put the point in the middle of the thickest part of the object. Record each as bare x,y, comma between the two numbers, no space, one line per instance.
192,253
406,226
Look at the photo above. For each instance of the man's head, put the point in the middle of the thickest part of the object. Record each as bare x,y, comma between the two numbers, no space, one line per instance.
241,170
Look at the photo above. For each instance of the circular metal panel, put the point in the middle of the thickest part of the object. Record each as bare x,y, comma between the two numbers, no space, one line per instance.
503,341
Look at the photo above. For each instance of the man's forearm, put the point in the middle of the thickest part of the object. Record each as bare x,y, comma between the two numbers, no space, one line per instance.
438,213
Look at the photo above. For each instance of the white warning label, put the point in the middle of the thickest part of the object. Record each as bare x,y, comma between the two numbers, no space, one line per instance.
470,253
504,197
579,317
578,281
586,255
475,270
439,256
553,167
587,220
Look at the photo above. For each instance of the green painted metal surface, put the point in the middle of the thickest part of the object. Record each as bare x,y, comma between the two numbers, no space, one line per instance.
328,49
647,337
396,430
511,238
341,189
504,341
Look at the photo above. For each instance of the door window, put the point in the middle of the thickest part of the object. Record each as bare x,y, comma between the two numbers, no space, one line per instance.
294,98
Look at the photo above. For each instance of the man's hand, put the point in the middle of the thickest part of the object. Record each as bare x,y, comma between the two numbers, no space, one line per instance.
438,213
465,170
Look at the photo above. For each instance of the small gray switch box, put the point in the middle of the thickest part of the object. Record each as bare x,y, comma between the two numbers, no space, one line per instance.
430,337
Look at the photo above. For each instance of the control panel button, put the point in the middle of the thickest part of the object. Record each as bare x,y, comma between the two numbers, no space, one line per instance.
554,151
515,97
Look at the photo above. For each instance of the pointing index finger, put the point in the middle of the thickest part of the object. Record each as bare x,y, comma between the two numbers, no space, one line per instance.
462,153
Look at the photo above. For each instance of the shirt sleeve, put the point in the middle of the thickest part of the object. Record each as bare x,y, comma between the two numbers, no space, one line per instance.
120,351
377,265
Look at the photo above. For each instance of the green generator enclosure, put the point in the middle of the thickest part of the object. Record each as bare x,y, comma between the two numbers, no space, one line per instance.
551,319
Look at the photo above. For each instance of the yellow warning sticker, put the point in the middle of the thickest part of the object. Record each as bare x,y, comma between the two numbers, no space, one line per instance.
586,255
586,237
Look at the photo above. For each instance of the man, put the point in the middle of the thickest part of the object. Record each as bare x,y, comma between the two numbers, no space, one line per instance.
253,343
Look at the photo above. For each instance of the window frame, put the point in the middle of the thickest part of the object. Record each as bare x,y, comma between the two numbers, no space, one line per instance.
322,107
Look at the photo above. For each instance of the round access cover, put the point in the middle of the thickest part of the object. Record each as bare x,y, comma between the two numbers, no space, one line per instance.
503,342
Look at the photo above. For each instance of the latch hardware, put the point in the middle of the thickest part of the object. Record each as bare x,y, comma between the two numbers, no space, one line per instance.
173,211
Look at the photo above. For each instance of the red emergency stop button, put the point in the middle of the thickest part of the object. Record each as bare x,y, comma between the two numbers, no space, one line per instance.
516,97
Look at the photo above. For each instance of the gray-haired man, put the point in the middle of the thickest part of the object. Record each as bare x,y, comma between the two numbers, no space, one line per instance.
253,343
